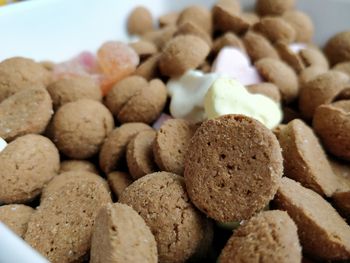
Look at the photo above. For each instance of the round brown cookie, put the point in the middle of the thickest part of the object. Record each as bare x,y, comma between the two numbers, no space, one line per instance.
280,74
228,39
322,232
268,89
270,236
275,29
61,227
168,19
341,201
337,48
67,90
145,106
16,217
289,56
302,24
189,28
80,127
140,21
233,6
77,165
144,48
199,16
182,53
181,231
139,154
273,7
20,73
343,67
118,181
114,147
171,144
304,159
320,90
149,68
312,56
332,124
232,157
258,47
309,74
121,235
250,17
160,37
27,165
27,111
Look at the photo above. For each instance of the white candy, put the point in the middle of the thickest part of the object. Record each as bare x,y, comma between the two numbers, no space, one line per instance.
3,144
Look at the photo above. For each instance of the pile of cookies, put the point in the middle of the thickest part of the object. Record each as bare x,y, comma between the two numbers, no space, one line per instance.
184,157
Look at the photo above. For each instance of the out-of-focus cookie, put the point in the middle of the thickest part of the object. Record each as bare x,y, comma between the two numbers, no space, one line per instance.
160,37
181,231
149,68
139,154
341,201
199,16
250,17
140,21
114,147
228,39
337,48
72,89
16,217
121,235
312,56
170,145
118,181
27,164
80,128
252,241
289,56
343,67
77,165
168,19
27,111
232,157
322,232
268,89
190,28
310,73
144,48
332,123
302,24
61,227
273,7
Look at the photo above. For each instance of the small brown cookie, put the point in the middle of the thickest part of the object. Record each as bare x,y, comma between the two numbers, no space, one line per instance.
232,157
121,235
181,231
270,236
343,67
198,15
190,28
16,217
273,7
77,165
182,53
80,127
149,68
337,48
309,74
114,147
228,39
144,48
171,144
304,159
118,181
160,37
140,21
280,74
61,227
320,90
27,111
139,154
268,89
312,56
259,47
27,164
341,201
250,17
332,123
72,89
322,232
233,6
20,73
289,56
168,19
302,24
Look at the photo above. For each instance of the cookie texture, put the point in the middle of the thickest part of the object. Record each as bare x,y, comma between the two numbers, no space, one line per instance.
16,217
118,181
267,89
337,48
232,157
228,39
27,165
77,165
181,231
144,48
140,21
302,25
121,235
273,7
197,15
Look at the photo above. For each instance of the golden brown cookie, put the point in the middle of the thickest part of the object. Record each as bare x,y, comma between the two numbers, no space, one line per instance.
268,89
199,16
250,17
27,111
78,165
304,159
182,53
114,147
118,181
72,89
139,154
61,227
171,144
80,128
232,157
228,39
309,74
16,217
20,73
322,232
302,24
332,123
337,48
343,67
280,74
27,164
273,7
121,235
168,19
270,236
312,56
149,68
144,48
181,231
161,36
140,21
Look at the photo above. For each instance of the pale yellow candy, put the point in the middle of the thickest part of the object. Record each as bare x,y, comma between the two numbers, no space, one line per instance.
228,96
